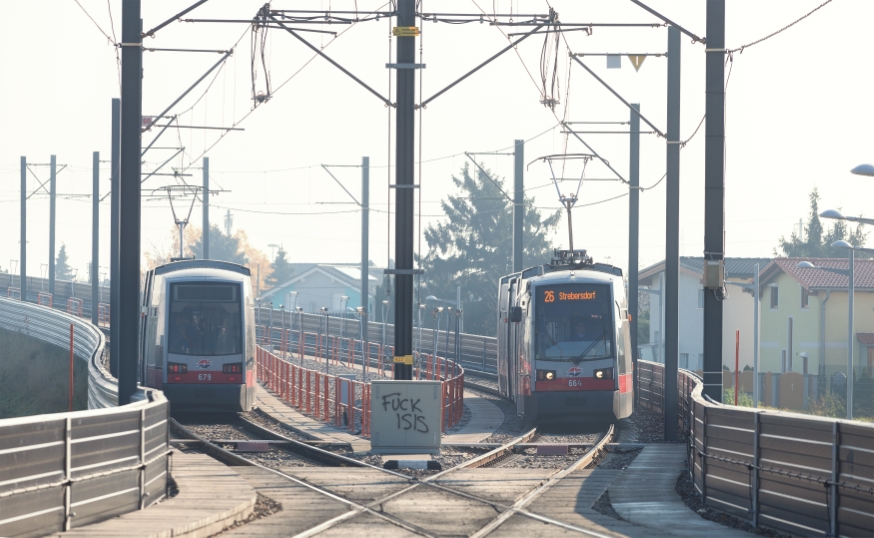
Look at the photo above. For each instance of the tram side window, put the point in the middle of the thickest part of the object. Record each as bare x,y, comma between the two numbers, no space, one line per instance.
205,319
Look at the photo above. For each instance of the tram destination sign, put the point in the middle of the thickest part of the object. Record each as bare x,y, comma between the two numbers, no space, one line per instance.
550,296
405,417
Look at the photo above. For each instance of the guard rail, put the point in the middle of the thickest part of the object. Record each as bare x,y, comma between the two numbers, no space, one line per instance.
66,470
801,474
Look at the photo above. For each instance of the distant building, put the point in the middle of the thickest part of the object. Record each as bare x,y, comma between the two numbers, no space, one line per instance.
322,285
805,317
737,312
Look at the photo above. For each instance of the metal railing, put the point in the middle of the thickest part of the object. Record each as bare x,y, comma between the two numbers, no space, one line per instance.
474,352
335,399
801,474
66,470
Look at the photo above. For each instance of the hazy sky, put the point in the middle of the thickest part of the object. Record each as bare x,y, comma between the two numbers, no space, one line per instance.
799,116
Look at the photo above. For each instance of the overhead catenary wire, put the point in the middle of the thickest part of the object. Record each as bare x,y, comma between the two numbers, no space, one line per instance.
772,34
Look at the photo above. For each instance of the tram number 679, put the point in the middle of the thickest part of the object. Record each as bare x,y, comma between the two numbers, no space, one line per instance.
204,377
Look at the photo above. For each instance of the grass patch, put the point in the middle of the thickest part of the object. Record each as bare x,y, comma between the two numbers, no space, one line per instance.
34,377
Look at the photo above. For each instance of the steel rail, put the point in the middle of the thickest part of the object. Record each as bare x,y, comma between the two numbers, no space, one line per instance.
518,506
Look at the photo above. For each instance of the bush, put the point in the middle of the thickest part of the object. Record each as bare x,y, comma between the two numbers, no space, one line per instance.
828,405
743,398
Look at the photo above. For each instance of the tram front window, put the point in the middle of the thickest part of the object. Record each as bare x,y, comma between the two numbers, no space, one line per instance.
205,319
574,322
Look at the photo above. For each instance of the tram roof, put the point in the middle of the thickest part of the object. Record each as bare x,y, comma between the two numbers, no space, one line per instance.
182,265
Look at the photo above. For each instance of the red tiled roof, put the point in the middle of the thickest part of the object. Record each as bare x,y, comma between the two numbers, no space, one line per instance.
817,278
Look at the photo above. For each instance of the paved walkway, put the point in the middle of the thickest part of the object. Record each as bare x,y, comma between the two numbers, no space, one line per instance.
284,413
211,497
645,494
485,418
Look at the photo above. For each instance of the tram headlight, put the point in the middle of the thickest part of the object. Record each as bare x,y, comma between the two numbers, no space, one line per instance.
604,373
233,368
545,375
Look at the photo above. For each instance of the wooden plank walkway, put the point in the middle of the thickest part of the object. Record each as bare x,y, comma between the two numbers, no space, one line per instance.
645,494
211,497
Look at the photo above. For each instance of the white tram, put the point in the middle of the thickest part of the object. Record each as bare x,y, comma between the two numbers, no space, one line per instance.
564,350
197,335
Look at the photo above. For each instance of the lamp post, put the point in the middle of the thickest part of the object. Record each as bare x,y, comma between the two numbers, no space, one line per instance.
343,300
300,339
282,325
755,289
324,311
436,313
386,304
456,302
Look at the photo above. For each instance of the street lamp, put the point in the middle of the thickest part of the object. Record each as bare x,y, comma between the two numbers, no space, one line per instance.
863,170
436,313
456,302
301,342
343,300
833,214
755,289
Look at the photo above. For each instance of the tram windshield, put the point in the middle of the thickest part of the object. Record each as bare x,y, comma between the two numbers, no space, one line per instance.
205,319
574,322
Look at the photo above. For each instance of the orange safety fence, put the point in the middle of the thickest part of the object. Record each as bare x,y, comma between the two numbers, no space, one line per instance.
342,402
44,299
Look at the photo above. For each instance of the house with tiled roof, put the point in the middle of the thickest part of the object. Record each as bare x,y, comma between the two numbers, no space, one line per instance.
737,312
805,318
319,285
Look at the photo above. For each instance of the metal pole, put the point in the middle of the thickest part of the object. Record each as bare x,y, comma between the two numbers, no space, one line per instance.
115,197
518,206
22,266
714,198
460,309
129,202
661,339
95,237
71,367
404,199
672,237
53,191
205,233
851,290
756,340
634,230
365,257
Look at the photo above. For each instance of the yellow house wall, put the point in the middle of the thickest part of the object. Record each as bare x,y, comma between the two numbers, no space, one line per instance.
806,325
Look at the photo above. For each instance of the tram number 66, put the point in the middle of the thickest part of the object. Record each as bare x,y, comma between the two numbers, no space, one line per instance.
204,377
549,296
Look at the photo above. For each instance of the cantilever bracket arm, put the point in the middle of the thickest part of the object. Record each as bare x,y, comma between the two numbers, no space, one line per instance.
341,185
186,92
480,66
595,153
331,61
626,103
151,33
669,21
481,169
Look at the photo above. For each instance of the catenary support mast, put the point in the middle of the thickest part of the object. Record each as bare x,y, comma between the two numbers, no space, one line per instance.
115,197
634,229
129,207
518,205
714,199
672,237
404,193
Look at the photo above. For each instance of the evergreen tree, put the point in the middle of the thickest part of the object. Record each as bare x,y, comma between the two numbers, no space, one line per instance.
281,269
221,247
817,243
62,265
473,249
